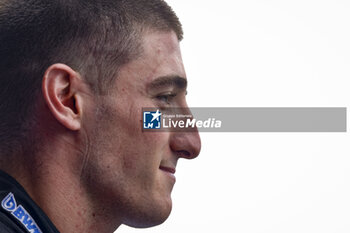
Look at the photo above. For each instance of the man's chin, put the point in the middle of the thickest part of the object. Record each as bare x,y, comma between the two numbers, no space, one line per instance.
151,218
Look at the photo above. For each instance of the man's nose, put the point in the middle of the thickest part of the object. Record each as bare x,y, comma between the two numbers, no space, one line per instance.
185,144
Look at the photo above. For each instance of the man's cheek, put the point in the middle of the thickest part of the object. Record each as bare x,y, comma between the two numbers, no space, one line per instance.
141,170
156,138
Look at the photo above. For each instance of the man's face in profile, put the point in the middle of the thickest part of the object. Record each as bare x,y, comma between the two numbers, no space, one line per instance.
131,170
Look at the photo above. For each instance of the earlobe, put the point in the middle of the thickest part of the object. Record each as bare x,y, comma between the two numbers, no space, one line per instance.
60,94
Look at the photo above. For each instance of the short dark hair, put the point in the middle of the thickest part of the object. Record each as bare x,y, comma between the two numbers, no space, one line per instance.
94,37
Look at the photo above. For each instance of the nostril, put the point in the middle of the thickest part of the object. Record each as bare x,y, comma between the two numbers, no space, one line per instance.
183,153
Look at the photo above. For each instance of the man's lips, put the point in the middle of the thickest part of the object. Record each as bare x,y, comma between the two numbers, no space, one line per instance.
167,169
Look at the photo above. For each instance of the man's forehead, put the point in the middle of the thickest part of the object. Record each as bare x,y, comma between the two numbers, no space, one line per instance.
160,60
160,41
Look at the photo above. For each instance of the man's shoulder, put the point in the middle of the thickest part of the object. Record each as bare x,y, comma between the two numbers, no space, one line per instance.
18,212
8,226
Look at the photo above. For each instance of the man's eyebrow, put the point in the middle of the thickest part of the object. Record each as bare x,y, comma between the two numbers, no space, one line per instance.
165,81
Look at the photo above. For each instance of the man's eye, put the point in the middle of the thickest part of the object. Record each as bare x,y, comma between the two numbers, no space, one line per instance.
166,98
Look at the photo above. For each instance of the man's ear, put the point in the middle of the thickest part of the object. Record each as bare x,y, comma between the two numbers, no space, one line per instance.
60,86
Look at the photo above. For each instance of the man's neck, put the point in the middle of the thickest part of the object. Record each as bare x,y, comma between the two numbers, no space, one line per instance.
56,186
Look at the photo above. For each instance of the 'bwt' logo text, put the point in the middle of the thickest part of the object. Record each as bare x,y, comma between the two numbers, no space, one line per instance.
9,204
152,120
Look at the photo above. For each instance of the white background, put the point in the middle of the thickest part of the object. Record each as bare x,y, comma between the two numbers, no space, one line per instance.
267,53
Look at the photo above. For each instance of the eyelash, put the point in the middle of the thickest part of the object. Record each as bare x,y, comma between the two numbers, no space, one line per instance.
166,98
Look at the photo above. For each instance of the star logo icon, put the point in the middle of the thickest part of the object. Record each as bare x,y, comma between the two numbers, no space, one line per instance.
152,119
156,115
